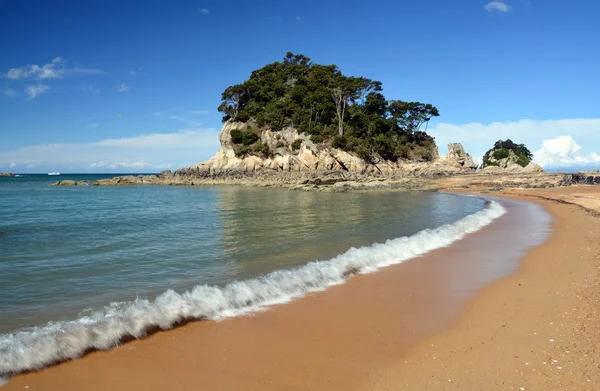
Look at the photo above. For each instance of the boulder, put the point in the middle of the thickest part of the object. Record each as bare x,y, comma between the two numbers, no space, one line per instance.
457,155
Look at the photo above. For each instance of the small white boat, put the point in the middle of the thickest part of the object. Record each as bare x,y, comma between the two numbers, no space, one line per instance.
54,173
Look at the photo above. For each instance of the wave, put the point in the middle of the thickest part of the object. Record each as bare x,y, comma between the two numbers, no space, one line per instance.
38,347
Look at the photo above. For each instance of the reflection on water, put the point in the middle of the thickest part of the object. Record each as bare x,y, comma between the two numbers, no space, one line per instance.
267,230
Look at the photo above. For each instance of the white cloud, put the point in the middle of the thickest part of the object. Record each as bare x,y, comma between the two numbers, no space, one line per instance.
122,87
35,90
204,11
93,126
563,151
146,152
13,165
497,6
30,166
54,70
190,122
91,89
132,72
9,92
477,138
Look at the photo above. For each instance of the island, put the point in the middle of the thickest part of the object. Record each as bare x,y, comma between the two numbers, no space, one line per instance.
6,174
307,126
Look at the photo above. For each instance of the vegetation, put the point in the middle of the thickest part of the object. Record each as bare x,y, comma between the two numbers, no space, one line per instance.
347,112
502,150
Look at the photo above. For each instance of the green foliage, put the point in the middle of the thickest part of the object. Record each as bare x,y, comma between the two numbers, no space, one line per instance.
261,149
296,144
501,150
317,138
501,154
247,137
242,151
339,142
237,136
280,144
350,112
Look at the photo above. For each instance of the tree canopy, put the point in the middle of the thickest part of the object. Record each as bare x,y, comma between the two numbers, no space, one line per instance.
349,112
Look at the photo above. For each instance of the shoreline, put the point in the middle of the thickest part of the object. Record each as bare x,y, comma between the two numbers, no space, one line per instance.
381,376
535,329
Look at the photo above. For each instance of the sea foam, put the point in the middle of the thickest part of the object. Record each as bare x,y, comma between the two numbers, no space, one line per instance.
38,347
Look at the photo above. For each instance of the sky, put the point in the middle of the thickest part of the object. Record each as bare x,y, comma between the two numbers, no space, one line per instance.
134,86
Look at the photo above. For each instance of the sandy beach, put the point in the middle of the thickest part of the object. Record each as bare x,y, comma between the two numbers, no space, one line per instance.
433,323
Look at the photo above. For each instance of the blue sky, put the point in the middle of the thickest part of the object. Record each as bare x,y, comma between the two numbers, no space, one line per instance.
112,87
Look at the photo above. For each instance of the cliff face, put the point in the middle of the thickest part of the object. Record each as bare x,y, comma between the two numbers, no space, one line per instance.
290,151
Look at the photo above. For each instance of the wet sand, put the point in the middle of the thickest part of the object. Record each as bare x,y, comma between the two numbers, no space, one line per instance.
417,325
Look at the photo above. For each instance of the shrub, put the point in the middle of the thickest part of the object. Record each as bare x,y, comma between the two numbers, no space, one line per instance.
242,151
249,138
296,144
262,149
501,154
279,144
339,142
317,138
237,136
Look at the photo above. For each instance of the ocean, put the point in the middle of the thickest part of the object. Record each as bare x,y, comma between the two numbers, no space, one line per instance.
85,267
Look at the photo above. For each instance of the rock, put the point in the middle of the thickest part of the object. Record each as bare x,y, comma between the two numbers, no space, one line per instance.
579,179
66,182
6,174
492,169
532,167
287,156
457,154
510,164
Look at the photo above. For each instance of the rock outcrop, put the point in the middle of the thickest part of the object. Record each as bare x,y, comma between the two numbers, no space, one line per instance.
291,151
6,174
458,157
509,164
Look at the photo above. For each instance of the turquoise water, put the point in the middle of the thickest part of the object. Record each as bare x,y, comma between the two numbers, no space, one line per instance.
69,253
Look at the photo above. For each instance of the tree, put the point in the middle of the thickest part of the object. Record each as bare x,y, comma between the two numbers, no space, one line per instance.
349,112
231,98
410,116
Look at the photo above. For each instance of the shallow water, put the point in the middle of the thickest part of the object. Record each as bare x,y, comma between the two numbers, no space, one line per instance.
65,252
84,267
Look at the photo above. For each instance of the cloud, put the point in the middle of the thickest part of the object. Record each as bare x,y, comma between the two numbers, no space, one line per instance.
9,92
497,6
91,89
54,70
143,153
190,122
477,138
92,126
122,87
34,90
204,11
563,151
30,166
132,72
13,165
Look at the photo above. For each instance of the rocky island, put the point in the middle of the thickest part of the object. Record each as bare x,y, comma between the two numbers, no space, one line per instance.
303,125
6,174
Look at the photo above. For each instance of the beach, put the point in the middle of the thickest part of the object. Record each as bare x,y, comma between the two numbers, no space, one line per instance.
403,327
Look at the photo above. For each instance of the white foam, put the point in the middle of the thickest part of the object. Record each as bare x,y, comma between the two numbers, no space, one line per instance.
3,381
57,341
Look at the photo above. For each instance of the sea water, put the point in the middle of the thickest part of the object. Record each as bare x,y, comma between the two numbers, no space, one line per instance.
85,267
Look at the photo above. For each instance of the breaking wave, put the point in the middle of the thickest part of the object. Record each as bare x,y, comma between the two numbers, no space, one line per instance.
38,347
